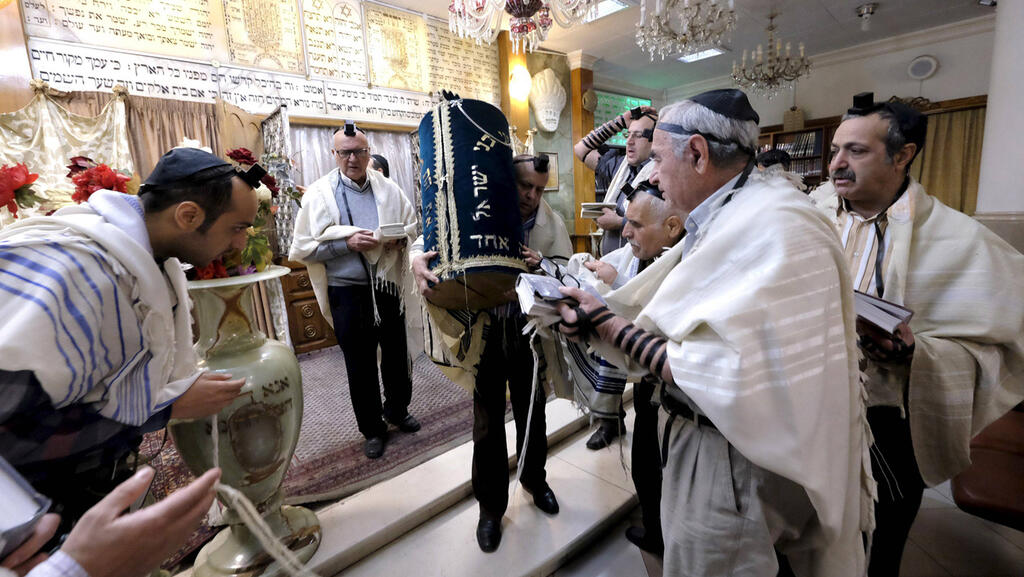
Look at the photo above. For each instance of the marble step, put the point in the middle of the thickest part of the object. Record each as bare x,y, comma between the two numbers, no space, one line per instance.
360,525
594,493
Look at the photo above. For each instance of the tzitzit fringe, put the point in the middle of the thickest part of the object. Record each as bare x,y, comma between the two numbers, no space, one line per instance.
288,563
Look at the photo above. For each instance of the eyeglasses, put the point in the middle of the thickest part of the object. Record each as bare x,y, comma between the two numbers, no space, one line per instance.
358,153
646,133
553,269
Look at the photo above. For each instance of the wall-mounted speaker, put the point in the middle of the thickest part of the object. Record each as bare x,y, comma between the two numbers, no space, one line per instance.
922,67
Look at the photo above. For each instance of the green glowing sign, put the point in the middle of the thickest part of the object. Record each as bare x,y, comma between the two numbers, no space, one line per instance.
610,105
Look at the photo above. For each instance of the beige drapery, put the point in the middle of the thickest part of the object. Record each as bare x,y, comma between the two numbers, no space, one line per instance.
950,165
155,125
45,135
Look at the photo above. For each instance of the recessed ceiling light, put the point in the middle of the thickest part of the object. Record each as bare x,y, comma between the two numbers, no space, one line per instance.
701,55
605,8
989,3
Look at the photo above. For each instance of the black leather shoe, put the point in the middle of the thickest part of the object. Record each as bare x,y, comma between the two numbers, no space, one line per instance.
608,431
544,499
638,536
408,425
373,448
488,533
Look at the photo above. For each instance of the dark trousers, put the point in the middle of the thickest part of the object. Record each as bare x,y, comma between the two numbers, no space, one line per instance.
359,337
646,459
506,359
900,488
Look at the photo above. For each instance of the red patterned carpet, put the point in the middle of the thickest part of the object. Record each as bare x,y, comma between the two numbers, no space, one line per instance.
329,461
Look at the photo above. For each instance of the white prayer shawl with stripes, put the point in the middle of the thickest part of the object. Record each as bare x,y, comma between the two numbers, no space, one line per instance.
319,221
760,323
966,288
89,311
598,386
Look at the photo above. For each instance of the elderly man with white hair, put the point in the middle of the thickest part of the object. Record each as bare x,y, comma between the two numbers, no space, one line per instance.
749,324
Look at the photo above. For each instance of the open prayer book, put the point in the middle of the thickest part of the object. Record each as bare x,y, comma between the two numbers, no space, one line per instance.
594,209
538,295
389,231
20,509
883,314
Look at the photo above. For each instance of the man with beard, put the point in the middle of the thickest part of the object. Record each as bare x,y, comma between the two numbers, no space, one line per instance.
748,322
616,171
958,364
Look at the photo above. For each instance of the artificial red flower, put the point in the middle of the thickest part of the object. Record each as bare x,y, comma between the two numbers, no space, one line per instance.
79,164
271,183
242,156
15,182
215,269
97,178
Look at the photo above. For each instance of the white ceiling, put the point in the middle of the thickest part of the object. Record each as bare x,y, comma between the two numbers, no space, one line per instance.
822,25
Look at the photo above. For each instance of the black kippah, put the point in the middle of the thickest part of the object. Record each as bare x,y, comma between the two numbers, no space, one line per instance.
180,163
728,102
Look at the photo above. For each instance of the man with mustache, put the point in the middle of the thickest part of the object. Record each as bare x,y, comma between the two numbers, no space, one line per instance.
652,227
616,171
958,364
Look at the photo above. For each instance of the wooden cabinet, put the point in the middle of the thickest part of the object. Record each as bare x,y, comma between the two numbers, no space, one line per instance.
308,328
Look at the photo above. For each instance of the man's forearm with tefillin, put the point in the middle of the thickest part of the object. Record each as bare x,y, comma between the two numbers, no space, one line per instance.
645,347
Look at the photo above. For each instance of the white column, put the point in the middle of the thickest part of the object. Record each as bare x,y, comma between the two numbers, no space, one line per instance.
1001,188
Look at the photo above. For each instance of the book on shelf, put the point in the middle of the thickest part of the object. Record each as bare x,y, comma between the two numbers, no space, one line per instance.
20,509
884,315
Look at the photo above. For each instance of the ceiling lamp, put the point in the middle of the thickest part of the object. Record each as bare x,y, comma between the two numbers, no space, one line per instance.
683,26
769,71
529,20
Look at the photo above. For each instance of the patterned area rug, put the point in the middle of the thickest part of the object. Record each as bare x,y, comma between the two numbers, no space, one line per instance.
329,461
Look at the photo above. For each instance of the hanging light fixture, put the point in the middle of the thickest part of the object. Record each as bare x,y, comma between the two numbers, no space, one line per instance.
769,71
529,20
683,26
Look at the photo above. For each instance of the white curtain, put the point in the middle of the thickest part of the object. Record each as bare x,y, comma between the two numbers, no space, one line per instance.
311,152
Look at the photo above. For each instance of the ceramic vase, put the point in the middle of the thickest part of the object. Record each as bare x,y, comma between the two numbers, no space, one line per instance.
256,433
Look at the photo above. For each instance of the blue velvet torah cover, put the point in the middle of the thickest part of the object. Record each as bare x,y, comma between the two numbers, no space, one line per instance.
470,204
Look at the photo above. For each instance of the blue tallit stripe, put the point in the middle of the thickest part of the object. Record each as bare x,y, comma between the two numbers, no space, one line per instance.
602,383
57,320
46,309
78,317
103,265
97,314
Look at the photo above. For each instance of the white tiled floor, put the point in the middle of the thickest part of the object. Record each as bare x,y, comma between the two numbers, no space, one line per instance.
944,541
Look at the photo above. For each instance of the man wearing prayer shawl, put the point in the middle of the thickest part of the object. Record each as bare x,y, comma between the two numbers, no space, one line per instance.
96,347
358,279
749,323
959,364
652,227
486,352
615,171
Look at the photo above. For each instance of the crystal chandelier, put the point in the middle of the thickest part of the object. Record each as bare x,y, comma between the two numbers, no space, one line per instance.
683,26
529,20
770,72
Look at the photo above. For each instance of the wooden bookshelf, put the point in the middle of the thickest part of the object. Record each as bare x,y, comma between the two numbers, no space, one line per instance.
807,148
